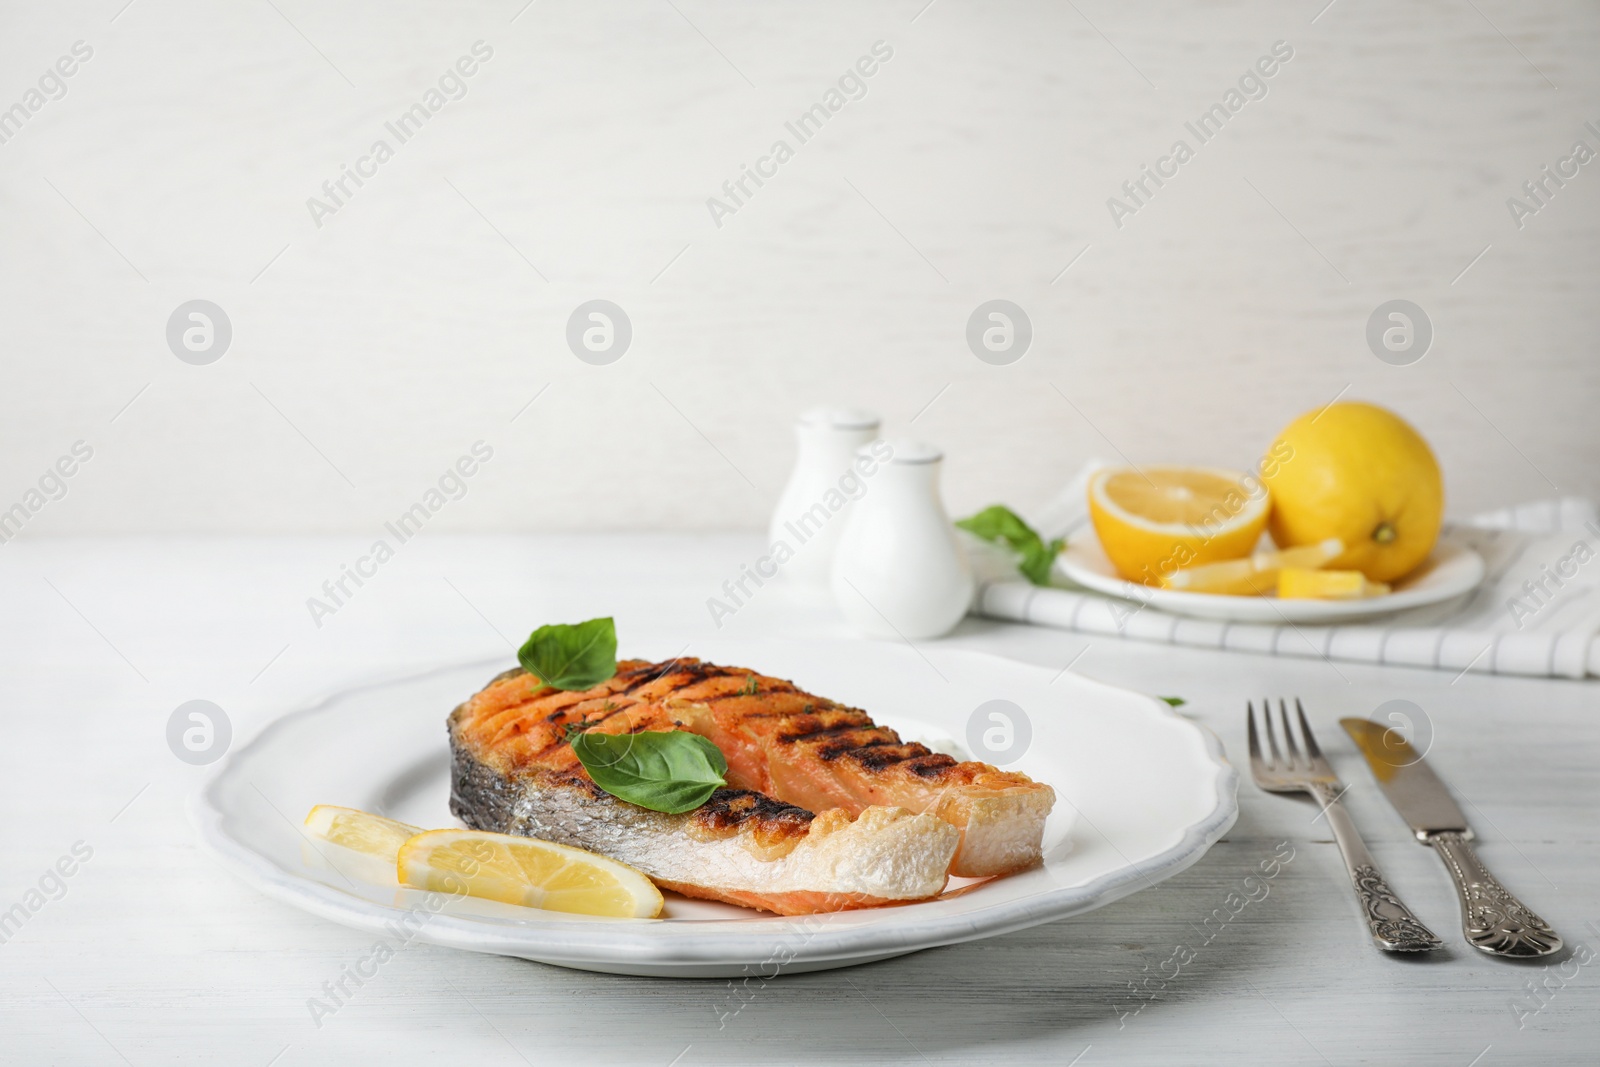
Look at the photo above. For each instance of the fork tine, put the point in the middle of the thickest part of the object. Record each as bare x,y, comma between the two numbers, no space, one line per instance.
1312,748
1255,741
1288,733
1272,738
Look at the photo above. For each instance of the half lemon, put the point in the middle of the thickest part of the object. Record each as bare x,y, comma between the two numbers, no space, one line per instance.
526,871
1154,521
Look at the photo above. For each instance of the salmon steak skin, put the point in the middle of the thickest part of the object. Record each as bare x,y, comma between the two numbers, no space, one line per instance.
514,771
894,817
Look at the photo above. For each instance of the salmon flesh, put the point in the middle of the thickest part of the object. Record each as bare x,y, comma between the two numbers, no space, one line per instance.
891,819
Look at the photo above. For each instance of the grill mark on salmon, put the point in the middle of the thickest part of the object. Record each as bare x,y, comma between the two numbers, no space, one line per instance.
513,771
814,752
792,746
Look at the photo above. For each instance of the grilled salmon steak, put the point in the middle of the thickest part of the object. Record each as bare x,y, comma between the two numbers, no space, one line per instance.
894,816
810,751
514,772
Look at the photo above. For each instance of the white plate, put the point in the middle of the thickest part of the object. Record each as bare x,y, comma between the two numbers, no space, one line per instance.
1452,570
1142,793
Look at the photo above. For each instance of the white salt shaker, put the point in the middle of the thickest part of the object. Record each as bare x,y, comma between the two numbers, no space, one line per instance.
899,571
811,512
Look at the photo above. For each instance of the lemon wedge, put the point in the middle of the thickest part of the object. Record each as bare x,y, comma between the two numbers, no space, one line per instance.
1254,575
1302,584
366,843
1157,520
525,871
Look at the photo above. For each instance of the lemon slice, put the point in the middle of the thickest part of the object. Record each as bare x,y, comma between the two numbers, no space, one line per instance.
366,844
522,870
1302,584
1254,575
1157,520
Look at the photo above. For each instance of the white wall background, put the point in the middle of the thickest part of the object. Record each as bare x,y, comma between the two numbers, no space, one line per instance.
178,165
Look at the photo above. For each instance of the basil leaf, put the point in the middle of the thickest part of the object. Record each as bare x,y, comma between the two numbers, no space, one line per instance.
1000,524
1039,559
580,656
1176,702
672,771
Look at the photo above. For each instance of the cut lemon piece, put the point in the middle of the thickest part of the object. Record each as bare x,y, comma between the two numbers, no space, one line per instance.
367,843
1255,575
1158,520
1303,584
525,871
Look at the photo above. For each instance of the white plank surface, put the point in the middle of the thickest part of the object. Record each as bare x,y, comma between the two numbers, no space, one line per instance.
154,955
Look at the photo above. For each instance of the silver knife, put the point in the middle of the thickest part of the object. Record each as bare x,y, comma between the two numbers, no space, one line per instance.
1492,919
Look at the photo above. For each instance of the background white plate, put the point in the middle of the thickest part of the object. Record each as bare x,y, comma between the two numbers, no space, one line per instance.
1452,570
1142,793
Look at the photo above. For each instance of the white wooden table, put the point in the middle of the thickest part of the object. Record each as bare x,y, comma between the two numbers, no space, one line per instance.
155,955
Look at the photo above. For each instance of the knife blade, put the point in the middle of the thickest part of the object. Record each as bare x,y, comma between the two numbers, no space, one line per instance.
1416,792
1492,919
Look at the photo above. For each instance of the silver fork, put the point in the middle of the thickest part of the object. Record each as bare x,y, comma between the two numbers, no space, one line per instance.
1392,925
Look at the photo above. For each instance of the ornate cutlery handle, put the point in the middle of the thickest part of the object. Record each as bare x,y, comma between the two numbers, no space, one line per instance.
1392,925
1493,919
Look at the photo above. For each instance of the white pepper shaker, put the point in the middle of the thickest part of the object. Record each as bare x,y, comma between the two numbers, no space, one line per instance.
899,570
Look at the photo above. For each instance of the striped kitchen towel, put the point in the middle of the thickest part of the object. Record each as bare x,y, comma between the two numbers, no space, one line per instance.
1537,611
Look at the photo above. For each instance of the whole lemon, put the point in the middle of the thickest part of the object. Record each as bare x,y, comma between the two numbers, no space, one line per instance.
1360,473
